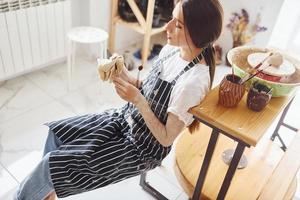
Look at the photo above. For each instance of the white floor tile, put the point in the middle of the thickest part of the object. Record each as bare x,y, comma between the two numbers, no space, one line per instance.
95,97
127,189
54,79
293,113
160,183
167,168
7,185
27,132
18,96
21,163
183,196
22,139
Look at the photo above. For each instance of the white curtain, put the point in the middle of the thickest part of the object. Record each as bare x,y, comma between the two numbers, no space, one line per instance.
286,33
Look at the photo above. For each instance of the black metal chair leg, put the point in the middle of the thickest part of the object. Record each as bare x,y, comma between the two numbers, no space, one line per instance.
231,170
205,165
281,123
148,188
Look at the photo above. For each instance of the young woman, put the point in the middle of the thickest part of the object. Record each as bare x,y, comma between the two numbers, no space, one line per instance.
83,153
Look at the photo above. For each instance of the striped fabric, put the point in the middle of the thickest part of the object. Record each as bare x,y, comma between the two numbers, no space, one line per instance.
101,149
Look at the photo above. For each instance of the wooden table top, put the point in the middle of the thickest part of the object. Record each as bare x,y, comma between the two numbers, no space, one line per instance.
239,122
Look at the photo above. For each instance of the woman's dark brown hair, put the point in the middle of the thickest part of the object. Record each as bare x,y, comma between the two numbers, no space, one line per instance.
203,20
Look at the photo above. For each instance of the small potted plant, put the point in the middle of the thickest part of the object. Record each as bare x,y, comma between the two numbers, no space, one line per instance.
242,30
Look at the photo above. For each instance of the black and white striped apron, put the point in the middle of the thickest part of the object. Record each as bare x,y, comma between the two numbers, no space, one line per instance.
101,149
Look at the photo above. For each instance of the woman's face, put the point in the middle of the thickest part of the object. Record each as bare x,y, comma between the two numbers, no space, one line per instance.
177,34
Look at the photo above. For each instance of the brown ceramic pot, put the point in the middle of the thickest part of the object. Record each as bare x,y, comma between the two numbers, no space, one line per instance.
230,91
258,96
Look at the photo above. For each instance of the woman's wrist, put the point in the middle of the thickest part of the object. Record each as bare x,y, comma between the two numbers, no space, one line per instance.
139,101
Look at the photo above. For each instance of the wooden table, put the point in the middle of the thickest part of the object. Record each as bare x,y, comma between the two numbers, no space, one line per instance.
244,126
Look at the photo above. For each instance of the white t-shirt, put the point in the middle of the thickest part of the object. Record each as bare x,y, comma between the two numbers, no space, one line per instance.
190,88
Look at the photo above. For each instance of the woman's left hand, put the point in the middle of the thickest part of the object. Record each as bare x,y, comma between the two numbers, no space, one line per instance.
127,91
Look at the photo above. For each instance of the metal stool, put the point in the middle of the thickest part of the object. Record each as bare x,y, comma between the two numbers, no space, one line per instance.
84,35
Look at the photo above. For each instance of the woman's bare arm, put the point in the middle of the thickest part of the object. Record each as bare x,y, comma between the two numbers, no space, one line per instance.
165,134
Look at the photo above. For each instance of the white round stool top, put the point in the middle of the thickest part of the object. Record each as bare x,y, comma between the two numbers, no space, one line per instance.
87,35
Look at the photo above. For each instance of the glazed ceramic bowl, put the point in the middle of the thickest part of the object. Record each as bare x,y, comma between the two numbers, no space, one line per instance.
237,57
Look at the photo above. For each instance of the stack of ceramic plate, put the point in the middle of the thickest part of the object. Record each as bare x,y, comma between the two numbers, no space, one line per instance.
4,6
271,73
35,3
14,5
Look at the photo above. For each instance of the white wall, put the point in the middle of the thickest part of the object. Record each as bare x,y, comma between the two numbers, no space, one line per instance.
286,34
97,13
80,12
269,10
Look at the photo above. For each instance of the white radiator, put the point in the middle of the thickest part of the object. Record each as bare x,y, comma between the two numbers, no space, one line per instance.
32,34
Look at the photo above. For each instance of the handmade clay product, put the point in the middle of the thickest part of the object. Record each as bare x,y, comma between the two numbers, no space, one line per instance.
230,91
258,96
109,67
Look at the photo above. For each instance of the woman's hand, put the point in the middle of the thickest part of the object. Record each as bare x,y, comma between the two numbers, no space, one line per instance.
126,76
126,90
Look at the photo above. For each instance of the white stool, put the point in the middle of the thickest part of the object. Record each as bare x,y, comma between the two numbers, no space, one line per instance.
84,35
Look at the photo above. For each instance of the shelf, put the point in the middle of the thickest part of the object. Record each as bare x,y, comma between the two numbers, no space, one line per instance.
132,25
136,27
143,26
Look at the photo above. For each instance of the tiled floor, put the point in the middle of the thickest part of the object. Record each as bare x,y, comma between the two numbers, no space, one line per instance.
29,101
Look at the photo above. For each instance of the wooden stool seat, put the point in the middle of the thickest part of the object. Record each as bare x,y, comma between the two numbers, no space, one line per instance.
247,183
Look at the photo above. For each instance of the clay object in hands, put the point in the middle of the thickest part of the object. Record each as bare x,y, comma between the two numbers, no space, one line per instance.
109,67
128,61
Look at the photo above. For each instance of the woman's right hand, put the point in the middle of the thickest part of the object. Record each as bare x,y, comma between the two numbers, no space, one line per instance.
126,76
